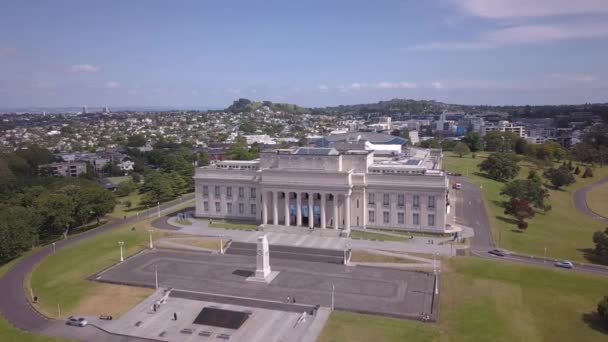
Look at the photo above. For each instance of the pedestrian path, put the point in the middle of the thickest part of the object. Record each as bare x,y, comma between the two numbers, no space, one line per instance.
305,239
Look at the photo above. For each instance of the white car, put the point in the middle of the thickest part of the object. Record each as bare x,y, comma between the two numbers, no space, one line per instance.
77,321
564,264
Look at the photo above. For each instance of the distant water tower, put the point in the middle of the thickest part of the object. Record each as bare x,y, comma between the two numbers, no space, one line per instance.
84,109
105,110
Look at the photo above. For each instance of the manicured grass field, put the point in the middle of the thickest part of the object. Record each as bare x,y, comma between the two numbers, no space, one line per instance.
120,210
376,236
597,200
232,225
364,256
487,300
564,231
61,277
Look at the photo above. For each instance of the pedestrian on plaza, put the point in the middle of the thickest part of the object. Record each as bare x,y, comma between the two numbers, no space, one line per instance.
288,299
175,316
293,299
35,299
154,307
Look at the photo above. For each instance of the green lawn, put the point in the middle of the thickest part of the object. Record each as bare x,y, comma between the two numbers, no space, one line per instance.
597,200
119,179
376,236
10,333
565,231
487,300
232,225
60,278
120,210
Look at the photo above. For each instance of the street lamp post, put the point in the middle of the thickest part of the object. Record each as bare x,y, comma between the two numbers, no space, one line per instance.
121,243
221,244
158,206
435,272
53,248
155,277
151,243
333,289
545,258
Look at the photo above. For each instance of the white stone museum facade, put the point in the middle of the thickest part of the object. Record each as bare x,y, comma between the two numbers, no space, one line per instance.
327,189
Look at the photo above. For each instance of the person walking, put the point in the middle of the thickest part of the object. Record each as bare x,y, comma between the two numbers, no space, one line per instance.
175,316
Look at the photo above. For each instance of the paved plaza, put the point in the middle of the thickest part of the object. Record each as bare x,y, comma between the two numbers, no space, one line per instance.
385,291
261,324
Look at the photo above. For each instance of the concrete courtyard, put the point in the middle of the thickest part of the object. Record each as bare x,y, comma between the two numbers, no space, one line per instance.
385,291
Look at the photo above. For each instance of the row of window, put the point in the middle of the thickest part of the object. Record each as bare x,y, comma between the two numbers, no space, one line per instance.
241,192
371,217
241,207
406,172
386,198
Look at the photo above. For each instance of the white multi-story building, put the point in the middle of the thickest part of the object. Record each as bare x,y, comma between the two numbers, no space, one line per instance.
324,188
505,126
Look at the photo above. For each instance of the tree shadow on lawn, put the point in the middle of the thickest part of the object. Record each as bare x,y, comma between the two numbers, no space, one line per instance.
507,220
595,322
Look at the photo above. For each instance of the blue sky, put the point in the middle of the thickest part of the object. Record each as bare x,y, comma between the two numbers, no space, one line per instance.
313,53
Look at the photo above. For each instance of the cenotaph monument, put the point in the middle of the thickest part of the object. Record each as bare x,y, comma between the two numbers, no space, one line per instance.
263,273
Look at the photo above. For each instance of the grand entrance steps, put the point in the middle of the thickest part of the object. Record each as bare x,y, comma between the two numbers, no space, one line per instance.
331,256
327,232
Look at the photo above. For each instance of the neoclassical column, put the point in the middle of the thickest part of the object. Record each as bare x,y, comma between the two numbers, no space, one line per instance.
323,210
286,193
264,207
275,208
347,212
336,216
311,221
298,209
364,206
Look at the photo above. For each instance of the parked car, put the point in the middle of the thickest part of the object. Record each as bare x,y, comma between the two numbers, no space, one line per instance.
457,186
498,252
77,321
564,264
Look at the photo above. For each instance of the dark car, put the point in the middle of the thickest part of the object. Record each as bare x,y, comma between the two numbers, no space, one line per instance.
498,252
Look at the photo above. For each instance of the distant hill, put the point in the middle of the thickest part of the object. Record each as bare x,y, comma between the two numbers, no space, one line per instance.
245,105
390,106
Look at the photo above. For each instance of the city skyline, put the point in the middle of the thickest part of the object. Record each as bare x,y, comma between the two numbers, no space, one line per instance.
195,54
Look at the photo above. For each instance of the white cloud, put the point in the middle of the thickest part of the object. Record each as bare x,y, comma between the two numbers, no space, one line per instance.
510,9
525,34
437,85
112,85
6,51
395,85
573,77
194,92
323,87
83,68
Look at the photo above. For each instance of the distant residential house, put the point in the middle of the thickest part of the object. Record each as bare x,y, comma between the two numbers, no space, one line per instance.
126,165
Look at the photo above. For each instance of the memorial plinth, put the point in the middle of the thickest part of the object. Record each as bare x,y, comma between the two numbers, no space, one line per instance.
263,273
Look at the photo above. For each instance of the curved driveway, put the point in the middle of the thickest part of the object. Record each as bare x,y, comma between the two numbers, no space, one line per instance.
580,200
15,307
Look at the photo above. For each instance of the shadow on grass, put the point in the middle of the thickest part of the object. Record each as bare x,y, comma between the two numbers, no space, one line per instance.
507,220
595,322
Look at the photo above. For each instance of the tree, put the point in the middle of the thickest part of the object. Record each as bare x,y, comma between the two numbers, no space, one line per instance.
461,149
136,140
238,150
136,177
521,210
559,177
600,251
202,159
474,141
125,188
17,231
588,172
56,212
602,309
500,166
577,170
521,145
99,201
530,189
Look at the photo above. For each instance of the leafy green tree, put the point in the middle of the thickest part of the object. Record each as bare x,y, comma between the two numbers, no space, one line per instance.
474,141
17,231
521,210
461,149
98,200
530,190
125,188
577,170
239,150
559,177
136,177
588,172
136,140
521,145
202,158
496,141
56,211
600,251
500,166
602,309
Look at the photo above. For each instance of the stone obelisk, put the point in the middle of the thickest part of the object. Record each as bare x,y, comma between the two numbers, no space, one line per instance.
263,273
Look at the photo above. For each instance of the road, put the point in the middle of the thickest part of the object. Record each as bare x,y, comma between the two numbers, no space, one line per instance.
471,212
580,201
15,307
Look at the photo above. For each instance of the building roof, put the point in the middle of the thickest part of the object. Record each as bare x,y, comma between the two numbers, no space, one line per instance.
374,138
316,151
